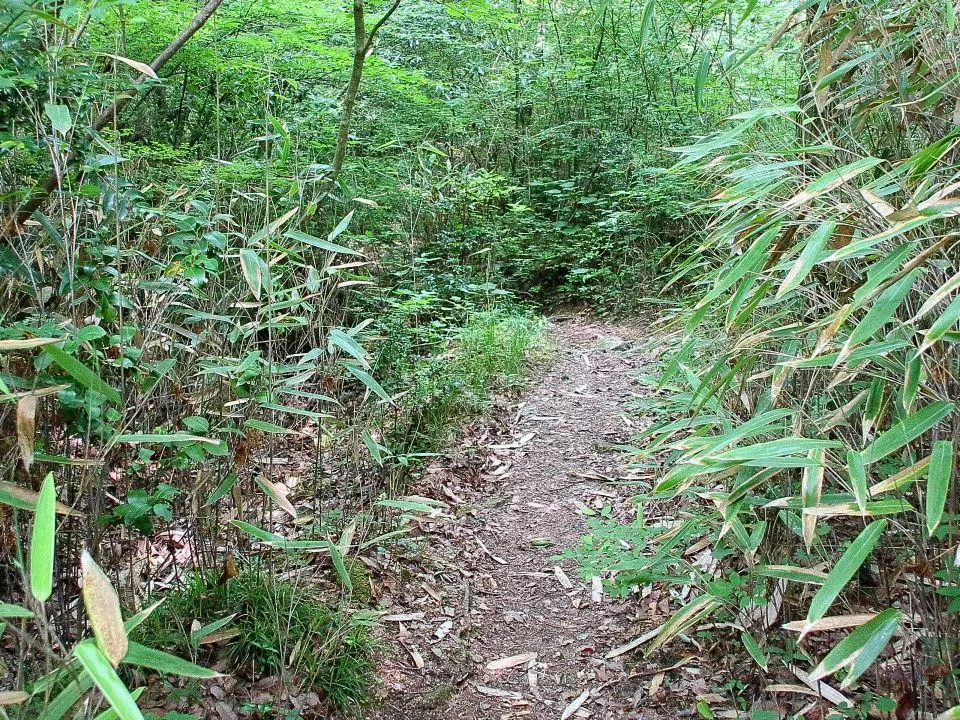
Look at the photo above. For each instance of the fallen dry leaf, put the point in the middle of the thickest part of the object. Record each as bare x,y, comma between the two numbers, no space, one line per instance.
498,693
512,661
575,705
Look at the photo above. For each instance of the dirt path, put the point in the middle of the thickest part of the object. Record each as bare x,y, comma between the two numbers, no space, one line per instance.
486,584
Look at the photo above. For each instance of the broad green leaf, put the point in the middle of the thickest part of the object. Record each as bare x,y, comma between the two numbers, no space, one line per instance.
59,116
860,648
907,430
913,376
340,567
845,569
225,486
43,542
831,181
339,339
751,261
267,427
755,651
8,610
367,379
942,325
703,72
321,243
646,21
111,714
81,373
341,226
163,662
67,698
135,621
880,313
253,269
277,540
163,438
858,478
810,491
812,253
938,482
107,680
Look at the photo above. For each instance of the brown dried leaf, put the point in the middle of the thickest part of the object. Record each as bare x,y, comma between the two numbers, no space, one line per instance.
26,428
103,609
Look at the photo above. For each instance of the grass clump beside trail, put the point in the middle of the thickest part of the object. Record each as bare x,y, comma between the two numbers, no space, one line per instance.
279,627
459,373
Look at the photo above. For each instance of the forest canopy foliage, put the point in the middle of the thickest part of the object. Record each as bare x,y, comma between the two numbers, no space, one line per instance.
234,231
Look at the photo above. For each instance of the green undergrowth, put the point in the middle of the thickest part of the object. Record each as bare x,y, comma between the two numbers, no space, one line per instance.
278,627
451,371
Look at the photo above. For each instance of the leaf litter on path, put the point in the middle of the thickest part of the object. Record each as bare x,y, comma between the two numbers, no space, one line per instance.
532,637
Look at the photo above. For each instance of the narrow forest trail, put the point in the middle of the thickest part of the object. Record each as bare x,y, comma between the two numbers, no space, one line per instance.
488,585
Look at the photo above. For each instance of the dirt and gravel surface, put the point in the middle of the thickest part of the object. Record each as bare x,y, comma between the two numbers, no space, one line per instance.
486,619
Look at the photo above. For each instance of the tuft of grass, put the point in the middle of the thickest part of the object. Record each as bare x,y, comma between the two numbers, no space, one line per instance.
489,352
282,628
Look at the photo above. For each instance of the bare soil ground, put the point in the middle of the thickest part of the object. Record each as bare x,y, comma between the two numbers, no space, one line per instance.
484,620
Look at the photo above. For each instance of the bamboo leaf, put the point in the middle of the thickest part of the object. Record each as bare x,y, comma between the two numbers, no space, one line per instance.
163,662
908,429
812,253
81,373
858,478
367,379
42,541
938,482
844,570
753,648
107,680
103,610
860,648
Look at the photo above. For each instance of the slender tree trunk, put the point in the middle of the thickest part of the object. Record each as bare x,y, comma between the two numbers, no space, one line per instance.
40,193
362,45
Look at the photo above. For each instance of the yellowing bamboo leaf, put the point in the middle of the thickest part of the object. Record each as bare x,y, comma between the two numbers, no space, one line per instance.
512,661
828,624
13,697
831,181
26,428
25,499
141,67
26,343
278,494
103,610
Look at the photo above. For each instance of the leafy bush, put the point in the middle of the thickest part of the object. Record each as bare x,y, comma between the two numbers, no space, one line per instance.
816,444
